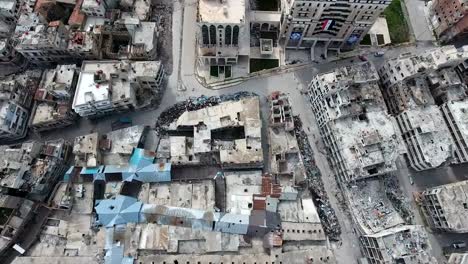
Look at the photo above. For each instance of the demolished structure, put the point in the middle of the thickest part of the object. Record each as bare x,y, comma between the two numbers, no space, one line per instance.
416,88
52,101
228,134
115,86
445,207
358,133
285,159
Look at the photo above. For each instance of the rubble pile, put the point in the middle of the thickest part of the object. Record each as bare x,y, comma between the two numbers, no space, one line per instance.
397,198
195,103
326,213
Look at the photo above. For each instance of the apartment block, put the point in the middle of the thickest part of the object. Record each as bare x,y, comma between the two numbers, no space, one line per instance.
421,90
223,32
9,14
411,65
43,43
455,115
114,86
402,244
14,110
332,25
449,19
52,100
446,207
359,135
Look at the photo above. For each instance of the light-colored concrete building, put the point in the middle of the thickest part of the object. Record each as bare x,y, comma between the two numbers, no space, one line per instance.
411,65
403,244
333,25
43,43
425,93
52,101
223,32
359,135
446,207
113,86
9,14
456,116
14,110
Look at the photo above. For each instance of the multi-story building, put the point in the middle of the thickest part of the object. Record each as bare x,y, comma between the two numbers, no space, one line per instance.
449,19
44,44
402,244
455,115
9,14
446,207
359,135
137,40
410,65
112,86
414,86
97,8
15,101
52,105
84,45
223,32
333,25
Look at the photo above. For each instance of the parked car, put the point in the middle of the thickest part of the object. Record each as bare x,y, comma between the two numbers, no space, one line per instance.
459,244
379,54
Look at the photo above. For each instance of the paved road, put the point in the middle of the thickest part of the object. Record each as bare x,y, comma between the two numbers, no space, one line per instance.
418,20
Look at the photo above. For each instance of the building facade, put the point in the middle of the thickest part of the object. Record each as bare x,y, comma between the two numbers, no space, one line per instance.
334,25
402,244
222,32
446,207
449,19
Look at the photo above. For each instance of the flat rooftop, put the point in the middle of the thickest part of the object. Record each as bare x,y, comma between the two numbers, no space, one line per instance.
222,12
453,200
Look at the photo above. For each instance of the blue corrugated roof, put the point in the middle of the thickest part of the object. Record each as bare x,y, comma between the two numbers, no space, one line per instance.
121,210
141,168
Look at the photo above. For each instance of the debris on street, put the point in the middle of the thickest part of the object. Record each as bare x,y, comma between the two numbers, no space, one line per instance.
315,184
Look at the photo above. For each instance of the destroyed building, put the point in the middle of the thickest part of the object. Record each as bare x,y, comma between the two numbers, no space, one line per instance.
446,207
127,38
402,244
426,136
33,167
285,158
116,86
228,134
360,137
371,210
52,101
409,65
424,98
